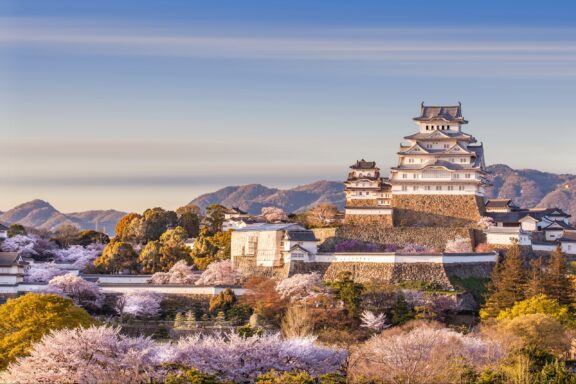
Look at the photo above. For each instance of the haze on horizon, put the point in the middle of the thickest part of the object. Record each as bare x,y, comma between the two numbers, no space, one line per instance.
134,104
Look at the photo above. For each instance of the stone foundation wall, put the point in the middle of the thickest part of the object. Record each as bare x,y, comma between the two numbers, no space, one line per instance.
361,203
379,221
434,237
437,210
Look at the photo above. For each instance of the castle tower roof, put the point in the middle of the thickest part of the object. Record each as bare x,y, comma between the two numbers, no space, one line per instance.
363,164
452,113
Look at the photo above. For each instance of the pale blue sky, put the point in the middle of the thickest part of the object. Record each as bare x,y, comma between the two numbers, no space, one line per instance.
133,104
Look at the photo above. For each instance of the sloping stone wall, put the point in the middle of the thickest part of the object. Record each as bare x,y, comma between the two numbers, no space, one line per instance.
380,221
434,237
437,210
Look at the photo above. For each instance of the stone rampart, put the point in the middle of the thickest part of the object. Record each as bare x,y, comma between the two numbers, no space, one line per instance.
378,221
437,210
397,273
434,237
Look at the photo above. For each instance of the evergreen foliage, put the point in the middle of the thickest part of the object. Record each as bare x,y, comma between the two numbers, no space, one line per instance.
23,321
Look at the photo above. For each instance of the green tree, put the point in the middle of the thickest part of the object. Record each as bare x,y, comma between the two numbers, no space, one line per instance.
156,221
85,238
190,320
538,304
536,284
117,256
558,285
189,219
275,377
123,224
401,311
16,229
211,247
191,376
223,301
508,284
215,217
178,321
349,292
23,321
149,257
173,248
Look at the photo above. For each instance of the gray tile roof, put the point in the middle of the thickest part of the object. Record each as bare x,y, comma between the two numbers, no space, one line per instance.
569,236
8,259
3,227
498,203
452,113
305,235
363,164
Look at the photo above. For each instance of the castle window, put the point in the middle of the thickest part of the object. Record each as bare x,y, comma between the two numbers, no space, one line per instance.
455,176
415,188
427,127
427,188
452,159
415,176
461,188
410,161
450,188
438,187
467,176
404,188
404,175
462,160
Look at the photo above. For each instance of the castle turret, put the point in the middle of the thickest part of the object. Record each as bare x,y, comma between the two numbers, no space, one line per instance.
440,158
367,194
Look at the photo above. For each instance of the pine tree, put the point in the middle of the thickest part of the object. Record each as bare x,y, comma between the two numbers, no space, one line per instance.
508,284
178,321
190,320
536,284
220,318
558,285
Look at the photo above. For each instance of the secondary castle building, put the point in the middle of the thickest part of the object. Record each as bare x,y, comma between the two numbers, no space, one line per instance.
439,178
367,194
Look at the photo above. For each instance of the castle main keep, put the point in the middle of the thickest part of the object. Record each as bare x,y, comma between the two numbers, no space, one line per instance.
439,179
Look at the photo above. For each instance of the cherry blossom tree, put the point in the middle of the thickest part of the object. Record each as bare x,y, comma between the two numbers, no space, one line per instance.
87,355
420,354
42,272
373,321
141,304
241,359
458,245
273,214
180,273
22,244
415,248
300,286
485,222
219,273
80,256
84,293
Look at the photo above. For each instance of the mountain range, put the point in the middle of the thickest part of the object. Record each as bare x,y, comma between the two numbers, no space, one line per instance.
42,215
526,187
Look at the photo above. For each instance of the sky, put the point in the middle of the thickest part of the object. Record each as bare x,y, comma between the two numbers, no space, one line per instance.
134,104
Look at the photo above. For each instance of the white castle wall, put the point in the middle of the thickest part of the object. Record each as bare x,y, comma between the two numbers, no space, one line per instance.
394,258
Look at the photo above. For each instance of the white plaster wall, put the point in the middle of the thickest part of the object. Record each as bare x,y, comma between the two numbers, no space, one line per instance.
569,248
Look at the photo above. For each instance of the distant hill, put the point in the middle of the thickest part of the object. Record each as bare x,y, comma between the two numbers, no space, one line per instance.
40,214
526,187
253,197
531,188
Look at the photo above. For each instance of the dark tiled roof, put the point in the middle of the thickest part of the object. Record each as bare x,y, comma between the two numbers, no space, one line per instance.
498,203
516,215
8,259
297,246
3,227
558,225
301,236
451,113
363,164
237,210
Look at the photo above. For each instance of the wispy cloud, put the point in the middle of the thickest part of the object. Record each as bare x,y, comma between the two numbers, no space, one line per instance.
402,44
